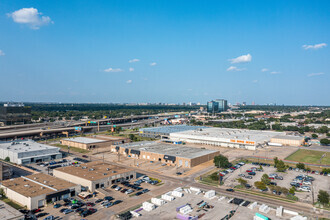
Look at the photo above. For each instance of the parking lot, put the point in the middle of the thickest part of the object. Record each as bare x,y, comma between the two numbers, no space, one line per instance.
145,192
320,183
215,208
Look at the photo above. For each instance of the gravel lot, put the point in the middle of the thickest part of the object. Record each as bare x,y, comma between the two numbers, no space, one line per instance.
321,182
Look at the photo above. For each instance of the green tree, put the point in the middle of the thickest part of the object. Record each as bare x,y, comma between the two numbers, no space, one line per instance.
292,190
221,161
300,166
325,141
323,197
265,179
315,136
131,137
275,161
214,176
260,185
241,181
285,191
7,159
280,166
328,134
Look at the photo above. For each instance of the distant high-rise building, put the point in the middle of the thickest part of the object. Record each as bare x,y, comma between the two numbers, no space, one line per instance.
244,103
17,113
253,103
218,105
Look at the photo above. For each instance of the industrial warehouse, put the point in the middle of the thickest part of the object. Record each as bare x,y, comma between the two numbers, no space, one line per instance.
98,141
35,191
95,175
224,137
179,155
28,151
158,132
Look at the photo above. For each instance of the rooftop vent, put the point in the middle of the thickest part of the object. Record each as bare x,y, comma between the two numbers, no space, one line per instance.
45,181
108,169
35,178
104,174
84,167
27,185
114,171
91,169
42,187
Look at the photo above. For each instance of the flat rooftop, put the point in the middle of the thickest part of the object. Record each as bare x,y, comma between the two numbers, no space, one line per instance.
95,170
176,150
84,140
109,137
289,137
37,184
24,146
7,212
227,134
171,129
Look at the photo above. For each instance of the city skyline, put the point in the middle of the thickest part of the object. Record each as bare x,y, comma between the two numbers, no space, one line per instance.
171,52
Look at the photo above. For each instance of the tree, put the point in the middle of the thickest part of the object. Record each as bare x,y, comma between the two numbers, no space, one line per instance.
325,141
241,181
265,179
292,190
285,191
315,136
323,197
300,166
260,185
214,176
328,134
132,137
7,159
280,166
221,161
275,161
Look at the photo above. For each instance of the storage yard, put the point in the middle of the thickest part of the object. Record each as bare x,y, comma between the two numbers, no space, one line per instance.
192,203
180,155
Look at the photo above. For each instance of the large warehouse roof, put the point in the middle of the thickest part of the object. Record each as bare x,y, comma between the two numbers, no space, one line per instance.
84,140
171,129
24,146
227,134
168,149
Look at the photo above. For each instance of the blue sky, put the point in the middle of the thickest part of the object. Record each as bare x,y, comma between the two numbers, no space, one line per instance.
79,51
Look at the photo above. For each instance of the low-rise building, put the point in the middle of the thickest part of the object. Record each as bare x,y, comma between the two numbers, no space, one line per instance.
9,213
28,151
179,155
98,141
37,190
5,172
287,140
94,175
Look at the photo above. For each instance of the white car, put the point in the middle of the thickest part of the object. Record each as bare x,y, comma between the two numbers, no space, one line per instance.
273,175
307,183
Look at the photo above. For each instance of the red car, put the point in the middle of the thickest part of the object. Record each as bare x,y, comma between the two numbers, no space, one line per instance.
234,168
271,178
36,210
92,210
90,204
248,171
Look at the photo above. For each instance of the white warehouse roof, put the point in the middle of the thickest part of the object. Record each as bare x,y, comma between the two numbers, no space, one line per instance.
20,146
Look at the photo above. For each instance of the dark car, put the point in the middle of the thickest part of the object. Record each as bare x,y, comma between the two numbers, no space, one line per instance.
62,210
24,211
113,186
79,210
99,200
248,186
178,173
92,210
273,183
108,198
252,173
145,190
42,214
56,206
230,190
117,202
139,193
85,156
91,204
85,213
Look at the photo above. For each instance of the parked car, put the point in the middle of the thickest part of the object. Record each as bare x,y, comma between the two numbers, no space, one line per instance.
62,210
67,211
117,202
248,186
51,217
118,188
252,173
108,198
279,177
178,173
109,204
139,193
145,190
56,206
41,214
248,177
114,186
99,200
242,175
230,190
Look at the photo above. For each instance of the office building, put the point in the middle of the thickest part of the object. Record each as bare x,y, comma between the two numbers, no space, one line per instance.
28,151
94,175
177,155
216,106
11,114
37,190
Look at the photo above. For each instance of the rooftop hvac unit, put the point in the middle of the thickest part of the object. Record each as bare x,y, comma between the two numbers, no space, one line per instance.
45,181
83,167
91,169
26,185
104,174
108,169
114,171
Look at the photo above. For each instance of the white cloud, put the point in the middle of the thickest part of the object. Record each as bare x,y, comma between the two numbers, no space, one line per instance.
133,60
275,72
2,53
264,70
234,68
315,46
315,74
131,69
30,17
129,81
111,70
255,81
241,59
153,64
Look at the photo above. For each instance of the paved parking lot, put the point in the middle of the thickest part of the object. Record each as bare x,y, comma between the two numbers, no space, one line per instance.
221,209
320,182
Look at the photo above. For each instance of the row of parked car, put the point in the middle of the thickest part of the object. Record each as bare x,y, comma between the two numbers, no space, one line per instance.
302,182
310,171
231,169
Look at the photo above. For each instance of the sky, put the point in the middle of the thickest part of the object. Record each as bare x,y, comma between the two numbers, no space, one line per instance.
165,51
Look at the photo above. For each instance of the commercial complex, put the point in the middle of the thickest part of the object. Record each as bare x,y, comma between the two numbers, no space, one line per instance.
35,191
11,114
216,106
5,171
157,132
94,142
179,155
224,137
28,151
95,174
